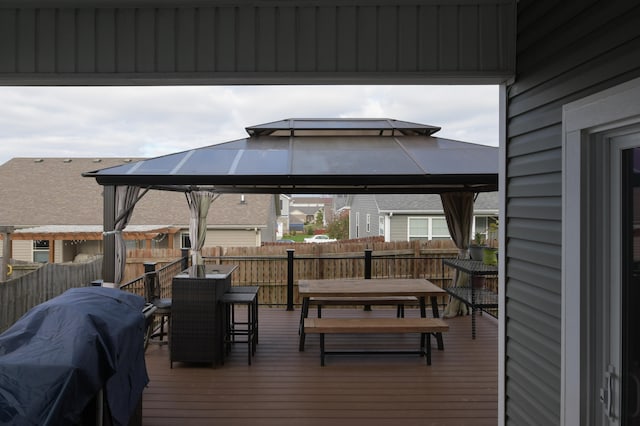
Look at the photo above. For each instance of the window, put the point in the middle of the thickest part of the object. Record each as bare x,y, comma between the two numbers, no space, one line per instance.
380,225
357,224
482,224
185,241
439,229
41,251
418,228
428,228
368,223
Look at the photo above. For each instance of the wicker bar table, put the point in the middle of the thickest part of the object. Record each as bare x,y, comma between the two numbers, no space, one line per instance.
198,320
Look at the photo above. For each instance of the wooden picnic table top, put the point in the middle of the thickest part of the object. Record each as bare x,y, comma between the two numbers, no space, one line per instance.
377,287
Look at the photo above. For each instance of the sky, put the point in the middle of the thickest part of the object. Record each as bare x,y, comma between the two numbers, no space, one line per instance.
149,121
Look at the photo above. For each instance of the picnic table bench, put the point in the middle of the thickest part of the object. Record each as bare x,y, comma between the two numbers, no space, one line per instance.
397,291
398,301
424,326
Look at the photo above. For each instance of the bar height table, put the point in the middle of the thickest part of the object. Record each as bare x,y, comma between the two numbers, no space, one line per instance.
198,321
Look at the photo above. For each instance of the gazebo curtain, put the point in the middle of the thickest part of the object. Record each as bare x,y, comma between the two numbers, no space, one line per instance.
126,198
458,210
199,202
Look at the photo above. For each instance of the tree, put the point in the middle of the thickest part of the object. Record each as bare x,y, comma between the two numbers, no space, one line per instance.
339,228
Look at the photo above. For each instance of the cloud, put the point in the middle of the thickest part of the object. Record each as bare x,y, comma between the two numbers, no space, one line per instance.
151,121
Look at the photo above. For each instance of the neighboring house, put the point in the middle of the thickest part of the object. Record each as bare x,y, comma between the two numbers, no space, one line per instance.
568,76
304,210
57,215
283,217
406,217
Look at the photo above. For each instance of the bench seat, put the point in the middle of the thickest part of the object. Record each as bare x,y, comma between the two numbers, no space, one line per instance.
398,301
386,300
424,326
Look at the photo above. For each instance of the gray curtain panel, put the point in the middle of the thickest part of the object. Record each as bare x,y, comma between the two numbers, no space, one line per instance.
458,210
199,203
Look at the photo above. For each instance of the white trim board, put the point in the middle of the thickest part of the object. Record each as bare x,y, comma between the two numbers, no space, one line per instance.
584,119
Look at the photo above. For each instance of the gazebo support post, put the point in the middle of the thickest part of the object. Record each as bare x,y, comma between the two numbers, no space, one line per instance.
108,238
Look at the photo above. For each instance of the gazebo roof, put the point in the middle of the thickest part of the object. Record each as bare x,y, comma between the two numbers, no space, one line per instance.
321,156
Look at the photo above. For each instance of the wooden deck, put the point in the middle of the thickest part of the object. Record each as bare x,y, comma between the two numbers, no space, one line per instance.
286,387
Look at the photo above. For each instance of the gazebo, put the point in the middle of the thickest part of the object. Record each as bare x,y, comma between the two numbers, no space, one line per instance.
322,156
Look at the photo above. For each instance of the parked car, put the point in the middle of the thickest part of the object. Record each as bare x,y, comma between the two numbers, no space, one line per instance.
320,238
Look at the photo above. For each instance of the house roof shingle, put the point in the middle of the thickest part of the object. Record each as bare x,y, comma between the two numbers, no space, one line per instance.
52,191
430,203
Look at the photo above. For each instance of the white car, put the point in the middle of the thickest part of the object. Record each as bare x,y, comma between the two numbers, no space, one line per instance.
320,238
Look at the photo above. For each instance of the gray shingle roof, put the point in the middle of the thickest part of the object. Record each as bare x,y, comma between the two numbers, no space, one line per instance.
427,203
51,191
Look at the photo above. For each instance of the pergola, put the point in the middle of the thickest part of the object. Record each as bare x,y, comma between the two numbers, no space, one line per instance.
312,156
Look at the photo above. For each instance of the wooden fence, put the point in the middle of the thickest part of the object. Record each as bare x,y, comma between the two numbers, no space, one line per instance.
268,266
19,295
354,248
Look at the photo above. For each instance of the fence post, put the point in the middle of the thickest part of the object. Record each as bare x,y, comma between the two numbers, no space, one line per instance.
367,270
185,258
367,263
149,277
290,279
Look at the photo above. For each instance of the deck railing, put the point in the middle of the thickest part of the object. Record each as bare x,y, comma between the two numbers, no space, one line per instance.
278,276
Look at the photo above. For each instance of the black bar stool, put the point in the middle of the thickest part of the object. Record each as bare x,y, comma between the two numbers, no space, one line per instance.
246,328
253,289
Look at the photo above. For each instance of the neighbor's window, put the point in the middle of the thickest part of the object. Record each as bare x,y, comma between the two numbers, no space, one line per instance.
368,223
483,223
418,228
428,228
480,224
185,241
380,225
439,229
41,251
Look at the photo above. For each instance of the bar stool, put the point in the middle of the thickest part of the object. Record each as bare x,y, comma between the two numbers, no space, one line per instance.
241,328
162,311
253,289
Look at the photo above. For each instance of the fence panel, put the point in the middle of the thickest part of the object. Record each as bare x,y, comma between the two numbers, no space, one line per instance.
19,295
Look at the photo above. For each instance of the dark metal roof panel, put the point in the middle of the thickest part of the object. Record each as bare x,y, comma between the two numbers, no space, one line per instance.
442,156
319,164
293,124
351,156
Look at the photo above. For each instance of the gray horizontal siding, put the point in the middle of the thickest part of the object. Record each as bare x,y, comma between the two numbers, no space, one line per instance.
278,41
566,50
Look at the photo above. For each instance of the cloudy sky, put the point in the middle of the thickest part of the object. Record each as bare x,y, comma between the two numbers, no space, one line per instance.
151,121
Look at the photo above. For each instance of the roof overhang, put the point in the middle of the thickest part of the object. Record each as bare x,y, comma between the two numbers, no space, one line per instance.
89,232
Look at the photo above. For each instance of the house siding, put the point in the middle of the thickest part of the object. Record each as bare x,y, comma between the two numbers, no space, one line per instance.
268,43
232,238
363,204
22,250
565,51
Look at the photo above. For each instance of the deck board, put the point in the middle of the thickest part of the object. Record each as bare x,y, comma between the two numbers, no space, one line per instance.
286,387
